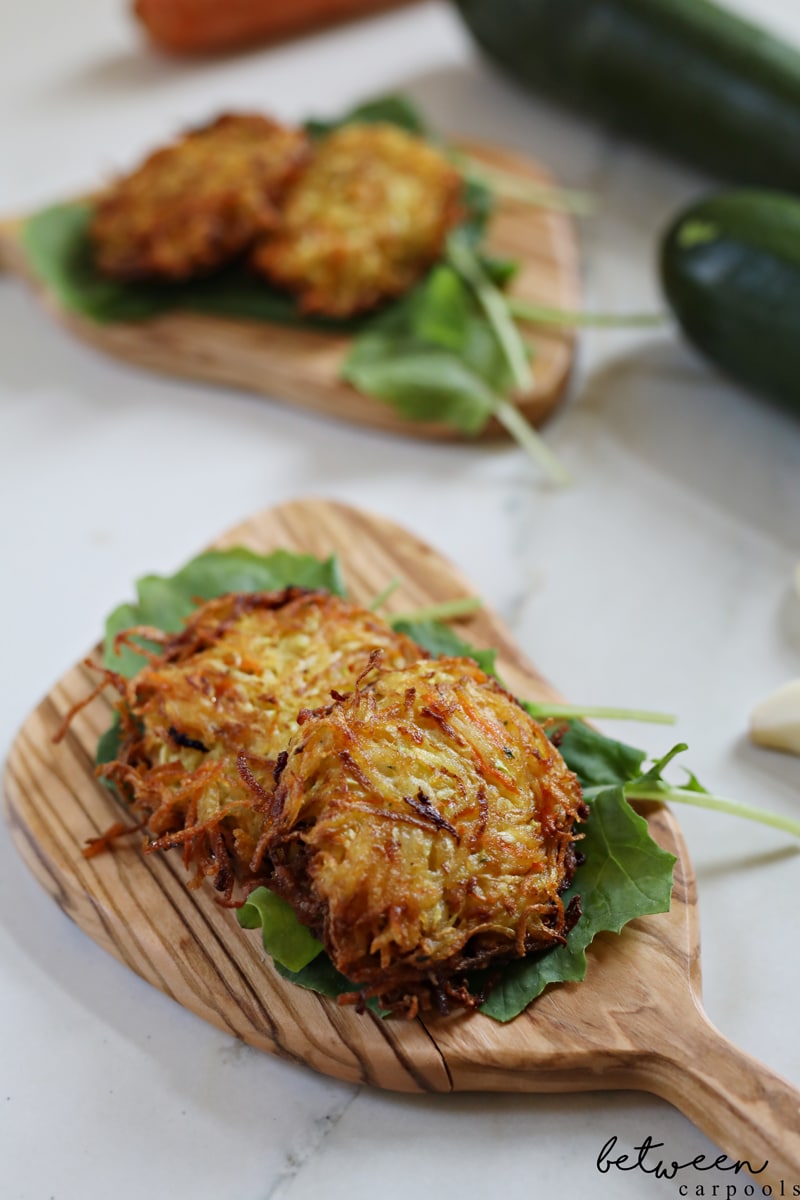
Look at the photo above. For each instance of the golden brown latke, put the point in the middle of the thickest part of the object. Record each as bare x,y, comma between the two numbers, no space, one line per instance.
363,221
203,725
423,827
193,206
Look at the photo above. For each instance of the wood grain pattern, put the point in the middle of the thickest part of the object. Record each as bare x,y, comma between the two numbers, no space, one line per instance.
302,366
637,1021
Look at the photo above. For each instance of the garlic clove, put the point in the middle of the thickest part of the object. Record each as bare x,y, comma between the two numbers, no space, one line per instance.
775,722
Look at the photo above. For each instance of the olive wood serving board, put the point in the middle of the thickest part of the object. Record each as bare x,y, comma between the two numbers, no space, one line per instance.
636,1022
302,366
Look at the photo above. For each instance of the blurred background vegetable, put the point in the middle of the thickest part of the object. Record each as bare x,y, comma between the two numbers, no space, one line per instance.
730,267
685,76
209,26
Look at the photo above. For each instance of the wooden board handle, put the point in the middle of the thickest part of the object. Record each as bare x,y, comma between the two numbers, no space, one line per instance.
745,1108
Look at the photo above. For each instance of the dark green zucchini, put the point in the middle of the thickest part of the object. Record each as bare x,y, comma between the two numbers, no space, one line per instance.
684,76
730,267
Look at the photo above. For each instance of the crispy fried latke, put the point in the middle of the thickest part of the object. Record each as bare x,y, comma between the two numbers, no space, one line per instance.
193,206
203,725
363,221
422,828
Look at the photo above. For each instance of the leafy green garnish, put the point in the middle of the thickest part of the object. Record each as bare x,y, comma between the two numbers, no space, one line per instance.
544,711
542,314
59,251
511,186
285,940
597,759
164,601
442,610
392,110
108,743
449,351
652,786
321,976
462,257
433,356
294,950
442,642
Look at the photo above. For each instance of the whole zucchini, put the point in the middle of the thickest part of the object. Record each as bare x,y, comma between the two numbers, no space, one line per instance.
730,267
682,75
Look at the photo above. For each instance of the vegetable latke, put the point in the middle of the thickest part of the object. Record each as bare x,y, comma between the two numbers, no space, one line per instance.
423,827
361,223
193,206
203,725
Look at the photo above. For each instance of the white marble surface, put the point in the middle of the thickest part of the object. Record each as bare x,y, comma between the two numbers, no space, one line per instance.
662,579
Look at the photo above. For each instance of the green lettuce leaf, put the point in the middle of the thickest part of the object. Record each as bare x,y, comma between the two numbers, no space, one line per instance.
165,601
289,943
108,745
442,641
597,759
433,356
321,976
59,251
391,110
296,953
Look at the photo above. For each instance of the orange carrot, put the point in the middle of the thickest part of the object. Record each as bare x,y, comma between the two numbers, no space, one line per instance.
205,26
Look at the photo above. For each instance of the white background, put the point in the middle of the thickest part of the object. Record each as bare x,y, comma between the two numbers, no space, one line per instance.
662,579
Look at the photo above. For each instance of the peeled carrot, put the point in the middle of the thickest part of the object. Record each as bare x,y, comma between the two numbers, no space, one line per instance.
205,26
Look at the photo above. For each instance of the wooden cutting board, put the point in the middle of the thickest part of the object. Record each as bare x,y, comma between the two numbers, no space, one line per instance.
636,1022
302,366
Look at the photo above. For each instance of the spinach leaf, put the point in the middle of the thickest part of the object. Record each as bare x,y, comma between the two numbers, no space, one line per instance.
321,976
478,201
391,110
501,271
164,601
295,952
433,356
425,385
597,759
108,744
441,641
285,940
59,251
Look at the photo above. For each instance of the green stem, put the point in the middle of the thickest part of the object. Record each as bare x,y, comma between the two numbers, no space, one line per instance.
535,446
495,305
383,596
513,187
445,610
578,712
635,791
543,315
